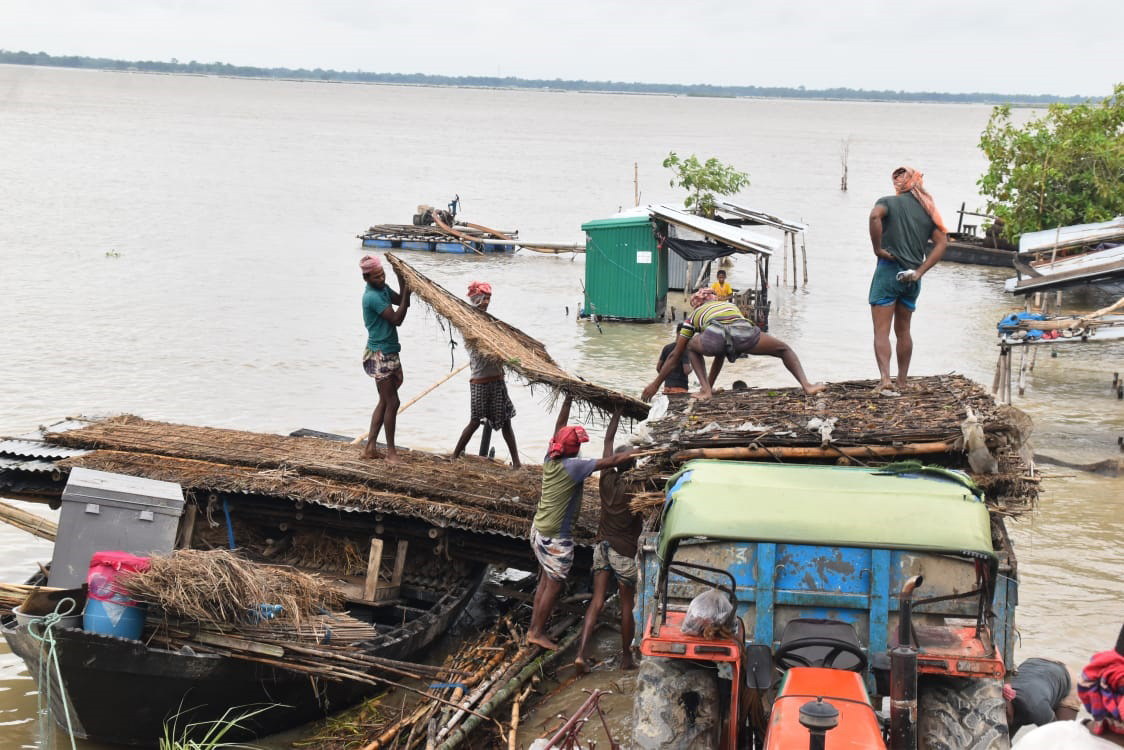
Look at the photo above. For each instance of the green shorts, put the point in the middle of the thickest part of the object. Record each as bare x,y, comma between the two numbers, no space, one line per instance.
885,289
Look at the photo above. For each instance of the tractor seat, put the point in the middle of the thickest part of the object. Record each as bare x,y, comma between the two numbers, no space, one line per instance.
808,642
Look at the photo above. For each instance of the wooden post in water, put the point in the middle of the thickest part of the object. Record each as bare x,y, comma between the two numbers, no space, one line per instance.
804,256
636,183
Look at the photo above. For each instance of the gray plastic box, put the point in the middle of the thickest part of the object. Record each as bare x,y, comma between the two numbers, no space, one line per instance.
105,511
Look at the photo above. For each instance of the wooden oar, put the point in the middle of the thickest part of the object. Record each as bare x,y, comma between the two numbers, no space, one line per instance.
414,400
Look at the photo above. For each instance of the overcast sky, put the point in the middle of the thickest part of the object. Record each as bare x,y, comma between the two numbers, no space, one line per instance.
1059,47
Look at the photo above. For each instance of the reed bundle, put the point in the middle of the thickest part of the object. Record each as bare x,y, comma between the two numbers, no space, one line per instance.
221,587
506,345
44,528
866,429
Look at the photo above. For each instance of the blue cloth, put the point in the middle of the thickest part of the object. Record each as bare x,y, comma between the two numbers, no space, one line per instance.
885,289
382,335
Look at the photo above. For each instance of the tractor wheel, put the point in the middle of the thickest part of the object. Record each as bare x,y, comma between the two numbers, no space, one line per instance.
961,714
675,706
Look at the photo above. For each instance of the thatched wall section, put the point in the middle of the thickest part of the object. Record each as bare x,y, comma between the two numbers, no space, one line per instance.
508,346
470,493
929,412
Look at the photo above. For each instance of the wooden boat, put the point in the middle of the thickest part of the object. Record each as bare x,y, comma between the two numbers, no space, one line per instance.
406,237
971,250
126,692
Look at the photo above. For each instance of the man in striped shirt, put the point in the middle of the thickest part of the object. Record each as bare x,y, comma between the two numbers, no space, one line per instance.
718,329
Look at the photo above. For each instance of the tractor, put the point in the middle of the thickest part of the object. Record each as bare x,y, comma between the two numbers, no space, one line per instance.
865,608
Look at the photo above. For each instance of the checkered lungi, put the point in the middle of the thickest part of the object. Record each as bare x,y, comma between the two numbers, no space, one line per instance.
491,404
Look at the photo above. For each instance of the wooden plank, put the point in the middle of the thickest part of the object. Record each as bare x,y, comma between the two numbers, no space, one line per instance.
399,563
374,560
237,644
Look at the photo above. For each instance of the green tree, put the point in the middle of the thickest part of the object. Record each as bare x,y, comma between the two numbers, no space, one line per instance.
1066,167
704,181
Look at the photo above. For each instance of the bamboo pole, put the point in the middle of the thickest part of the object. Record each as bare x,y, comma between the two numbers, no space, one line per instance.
415,399
515,713
485,710
41,527
832,451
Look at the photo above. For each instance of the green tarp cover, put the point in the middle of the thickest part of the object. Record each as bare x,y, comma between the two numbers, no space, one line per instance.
824,505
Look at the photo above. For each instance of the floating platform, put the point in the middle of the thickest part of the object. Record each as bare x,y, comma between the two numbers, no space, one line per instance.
431,239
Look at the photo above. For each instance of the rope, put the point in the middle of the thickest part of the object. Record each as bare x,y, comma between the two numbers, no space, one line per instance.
46,661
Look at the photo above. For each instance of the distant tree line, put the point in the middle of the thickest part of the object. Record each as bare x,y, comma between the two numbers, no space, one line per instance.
557,84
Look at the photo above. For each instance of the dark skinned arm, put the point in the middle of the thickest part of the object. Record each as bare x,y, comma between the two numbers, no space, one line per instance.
395,315
611,432
615,459
877,214
563,415
669,364
940,244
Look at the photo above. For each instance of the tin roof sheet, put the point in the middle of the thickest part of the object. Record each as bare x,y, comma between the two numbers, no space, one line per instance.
1072,236
760,217
745,240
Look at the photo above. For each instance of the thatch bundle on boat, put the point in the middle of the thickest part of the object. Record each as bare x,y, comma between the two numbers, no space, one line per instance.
221,587
508,346
470,493
849,423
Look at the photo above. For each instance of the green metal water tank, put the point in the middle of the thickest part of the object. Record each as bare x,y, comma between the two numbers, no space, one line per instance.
625,270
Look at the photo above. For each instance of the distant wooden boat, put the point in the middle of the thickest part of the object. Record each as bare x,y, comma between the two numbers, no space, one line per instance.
971,251
431,239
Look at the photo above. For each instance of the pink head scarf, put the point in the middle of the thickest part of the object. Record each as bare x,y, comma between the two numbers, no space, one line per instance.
369,263
477,290
706,294
909,181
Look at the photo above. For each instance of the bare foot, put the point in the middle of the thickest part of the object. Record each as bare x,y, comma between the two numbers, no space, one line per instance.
812,390
581,666
903,384
515,463
391,456
884,385
627,662
371,453
542,640
702,396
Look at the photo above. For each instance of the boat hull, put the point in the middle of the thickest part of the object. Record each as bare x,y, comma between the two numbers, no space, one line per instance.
438,246
978,255
124,692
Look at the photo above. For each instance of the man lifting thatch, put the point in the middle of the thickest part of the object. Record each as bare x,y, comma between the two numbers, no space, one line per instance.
563,474
490,402
380,358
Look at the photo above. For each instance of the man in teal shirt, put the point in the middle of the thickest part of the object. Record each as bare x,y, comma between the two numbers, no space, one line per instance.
901,226
380,357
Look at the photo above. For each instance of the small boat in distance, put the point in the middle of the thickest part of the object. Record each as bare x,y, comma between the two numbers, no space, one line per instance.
966,245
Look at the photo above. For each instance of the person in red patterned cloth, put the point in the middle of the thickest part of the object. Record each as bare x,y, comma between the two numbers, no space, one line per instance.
1101,690
490,402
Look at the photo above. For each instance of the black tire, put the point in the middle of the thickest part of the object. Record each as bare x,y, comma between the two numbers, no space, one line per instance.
675,706
961,714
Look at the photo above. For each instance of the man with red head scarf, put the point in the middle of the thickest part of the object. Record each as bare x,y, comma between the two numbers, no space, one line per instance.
380,358
490,403
1101,690
563,476
901,226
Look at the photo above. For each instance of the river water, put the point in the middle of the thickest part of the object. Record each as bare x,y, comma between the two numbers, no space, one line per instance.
183,248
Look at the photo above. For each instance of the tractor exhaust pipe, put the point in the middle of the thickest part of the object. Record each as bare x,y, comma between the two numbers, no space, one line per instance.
818,718
903,675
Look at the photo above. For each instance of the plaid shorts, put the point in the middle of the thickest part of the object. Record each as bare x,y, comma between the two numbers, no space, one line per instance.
491,404
556,556
380,365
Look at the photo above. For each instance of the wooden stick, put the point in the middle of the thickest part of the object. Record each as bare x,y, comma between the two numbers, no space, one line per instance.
415,399
790,451
41,527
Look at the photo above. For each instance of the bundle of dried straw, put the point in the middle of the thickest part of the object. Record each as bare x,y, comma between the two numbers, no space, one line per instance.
508,346
218,586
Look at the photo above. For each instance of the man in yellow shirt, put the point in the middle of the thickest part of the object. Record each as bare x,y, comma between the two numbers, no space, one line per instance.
721,289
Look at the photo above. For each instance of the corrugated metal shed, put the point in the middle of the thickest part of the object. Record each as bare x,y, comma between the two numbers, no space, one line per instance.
625,269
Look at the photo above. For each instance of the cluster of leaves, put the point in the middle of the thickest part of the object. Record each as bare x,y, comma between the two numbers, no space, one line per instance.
1066,167
704,181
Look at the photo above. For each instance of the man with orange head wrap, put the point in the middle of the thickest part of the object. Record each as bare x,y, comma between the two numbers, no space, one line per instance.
901,226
